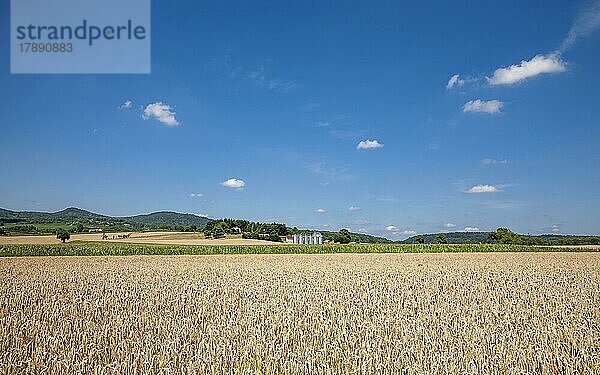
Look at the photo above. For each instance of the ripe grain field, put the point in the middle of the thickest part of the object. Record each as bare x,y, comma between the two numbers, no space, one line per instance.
443,313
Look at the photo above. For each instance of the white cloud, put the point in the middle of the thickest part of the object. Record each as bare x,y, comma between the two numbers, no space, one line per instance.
161,112
397,231
368,144
471,229
353,208
540,64
587,21
491,106
323,124
455,81
450,225
320,210
234,183
483,189
128,104
196,195
555,228
488,161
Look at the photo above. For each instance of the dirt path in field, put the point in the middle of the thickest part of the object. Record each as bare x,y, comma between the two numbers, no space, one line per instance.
160,238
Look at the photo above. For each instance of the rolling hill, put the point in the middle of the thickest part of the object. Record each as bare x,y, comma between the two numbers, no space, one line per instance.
509,237
454,237
46,221
78,220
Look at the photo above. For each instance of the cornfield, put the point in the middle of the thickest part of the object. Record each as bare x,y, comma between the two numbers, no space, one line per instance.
99,248
443,313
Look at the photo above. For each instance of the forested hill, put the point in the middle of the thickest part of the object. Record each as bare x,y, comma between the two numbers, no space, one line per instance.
30,222
503,235
453,237
273,231
76,220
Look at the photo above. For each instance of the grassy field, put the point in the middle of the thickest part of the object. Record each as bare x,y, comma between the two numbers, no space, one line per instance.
104,248
443,313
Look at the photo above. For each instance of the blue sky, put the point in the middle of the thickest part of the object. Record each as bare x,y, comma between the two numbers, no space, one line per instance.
326,115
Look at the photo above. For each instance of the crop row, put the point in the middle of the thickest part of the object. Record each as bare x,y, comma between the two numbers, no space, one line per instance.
95,248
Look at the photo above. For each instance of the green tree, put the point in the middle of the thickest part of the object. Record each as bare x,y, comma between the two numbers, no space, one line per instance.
78,228
420,238
504,235
62,234
441,238
343,236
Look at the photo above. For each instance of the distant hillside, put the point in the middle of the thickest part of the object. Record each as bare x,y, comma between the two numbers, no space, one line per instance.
503,235
78,220
158,219
273,231
356,237
71,213
454,237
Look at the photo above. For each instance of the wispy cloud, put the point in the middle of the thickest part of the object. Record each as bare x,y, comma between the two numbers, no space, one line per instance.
586,23
369,145
489,161
320,210
234,183
390,200
449,225
260,78
471,229
311,106
161,112
395,230
482,189
455,81
282,85
330,172
128,104
354,208
482,106
196,195
540,64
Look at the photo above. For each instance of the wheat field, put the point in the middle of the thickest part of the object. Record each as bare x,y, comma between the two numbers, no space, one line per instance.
443,313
